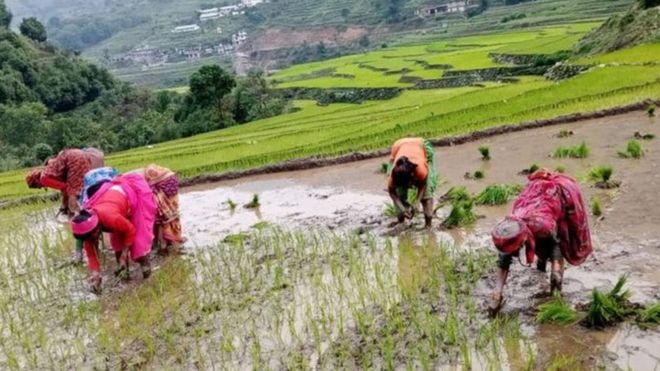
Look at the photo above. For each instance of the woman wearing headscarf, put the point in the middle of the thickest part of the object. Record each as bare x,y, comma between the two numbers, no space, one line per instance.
124,207
550,221
412,165
165,185
65,173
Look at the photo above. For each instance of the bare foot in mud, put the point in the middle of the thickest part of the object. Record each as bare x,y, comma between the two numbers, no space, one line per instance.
495,304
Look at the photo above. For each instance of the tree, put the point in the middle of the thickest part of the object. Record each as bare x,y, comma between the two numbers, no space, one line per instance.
209,85
33,29
5,15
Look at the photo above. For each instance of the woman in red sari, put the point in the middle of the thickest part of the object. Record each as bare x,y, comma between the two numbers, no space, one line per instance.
550,221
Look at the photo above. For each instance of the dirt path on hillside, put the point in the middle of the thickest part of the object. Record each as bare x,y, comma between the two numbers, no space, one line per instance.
352,196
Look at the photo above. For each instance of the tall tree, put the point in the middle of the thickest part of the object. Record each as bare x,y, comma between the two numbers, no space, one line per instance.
5,15
32,28
209,85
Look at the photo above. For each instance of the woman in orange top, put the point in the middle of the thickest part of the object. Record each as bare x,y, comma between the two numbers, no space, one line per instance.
412,165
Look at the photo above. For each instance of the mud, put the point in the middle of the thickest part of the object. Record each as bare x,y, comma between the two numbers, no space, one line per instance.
352,196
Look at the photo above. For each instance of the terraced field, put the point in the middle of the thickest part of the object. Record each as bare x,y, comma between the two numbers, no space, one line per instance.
619,78
385,68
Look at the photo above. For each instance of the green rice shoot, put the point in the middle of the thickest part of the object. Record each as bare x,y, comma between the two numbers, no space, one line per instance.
596,209
497,194
633,150
461,214
581,151
485,153
556,311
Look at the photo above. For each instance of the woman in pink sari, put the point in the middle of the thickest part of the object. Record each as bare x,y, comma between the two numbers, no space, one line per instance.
125,207
550,221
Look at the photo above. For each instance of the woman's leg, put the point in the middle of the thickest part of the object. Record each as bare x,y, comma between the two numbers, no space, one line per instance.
94,266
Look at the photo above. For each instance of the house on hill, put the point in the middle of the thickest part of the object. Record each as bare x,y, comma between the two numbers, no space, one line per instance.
452,7
186,28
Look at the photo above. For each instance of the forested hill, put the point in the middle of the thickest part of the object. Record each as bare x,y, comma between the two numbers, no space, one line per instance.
51,99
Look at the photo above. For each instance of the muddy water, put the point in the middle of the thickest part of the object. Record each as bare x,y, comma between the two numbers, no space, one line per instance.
627,237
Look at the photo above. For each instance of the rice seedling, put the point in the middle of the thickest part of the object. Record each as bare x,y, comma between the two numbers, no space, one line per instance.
640,136
231,204
560,169
649,316
454,194
602,176
596,209
461,214
556,311
581,151
606,309
565,134
479,174
384,167
485,153
650,110
531,170
497,194
563,362
389,210
254,203
633,150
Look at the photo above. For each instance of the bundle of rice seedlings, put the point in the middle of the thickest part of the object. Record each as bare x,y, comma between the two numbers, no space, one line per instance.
650,316
602,176
254,203
531,170
581,151
497,194
231,204
454,194
556,311
461,214
384,167
607,309
633,150
485,153
479,174
560,169
390,210
596,210
651,110
647,136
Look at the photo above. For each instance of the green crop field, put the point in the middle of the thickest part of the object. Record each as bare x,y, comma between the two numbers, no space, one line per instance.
384,68
335,129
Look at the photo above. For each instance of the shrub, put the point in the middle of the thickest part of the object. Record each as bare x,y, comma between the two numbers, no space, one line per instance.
461,214
254,203
595,207
556,311
581,151
651,110
633,150
497,194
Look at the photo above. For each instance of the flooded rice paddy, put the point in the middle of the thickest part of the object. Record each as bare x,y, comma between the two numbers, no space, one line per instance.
315,279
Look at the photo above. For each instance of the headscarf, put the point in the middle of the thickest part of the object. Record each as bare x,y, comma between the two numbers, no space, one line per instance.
33,178
511,234
85,222
96,176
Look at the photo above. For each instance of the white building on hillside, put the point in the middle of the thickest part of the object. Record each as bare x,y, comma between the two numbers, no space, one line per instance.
186,28
251,3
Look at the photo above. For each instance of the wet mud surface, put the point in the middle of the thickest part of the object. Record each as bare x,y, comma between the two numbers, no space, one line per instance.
352,197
